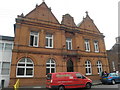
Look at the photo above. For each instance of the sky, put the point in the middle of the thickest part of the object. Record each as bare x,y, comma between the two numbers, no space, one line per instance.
103,12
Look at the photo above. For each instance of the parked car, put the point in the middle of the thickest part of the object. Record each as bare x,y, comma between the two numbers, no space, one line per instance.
63,80
111,78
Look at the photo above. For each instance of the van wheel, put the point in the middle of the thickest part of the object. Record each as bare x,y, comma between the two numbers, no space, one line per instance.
113,82
61,88
88,85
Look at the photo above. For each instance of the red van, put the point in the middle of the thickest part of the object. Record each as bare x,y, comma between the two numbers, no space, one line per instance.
62,80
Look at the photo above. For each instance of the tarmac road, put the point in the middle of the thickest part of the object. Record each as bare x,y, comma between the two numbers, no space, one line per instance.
95,87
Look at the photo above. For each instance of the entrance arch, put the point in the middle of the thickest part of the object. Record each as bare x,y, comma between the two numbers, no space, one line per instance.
70,67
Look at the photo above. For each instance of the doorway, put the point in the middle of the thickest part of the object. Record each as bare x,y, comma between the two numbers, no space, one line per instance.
70,67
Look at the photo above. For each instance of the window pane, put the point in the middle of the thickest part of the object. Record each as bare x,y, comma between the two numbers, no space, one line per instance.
31,40
21,64
52,65
29,65
52,70
66,45
52,61
1,46
50,42
88,65
22,60
46,41
86,70
70,45
29,71
48,65
5,71
29,60
20,71
47,70
8,46
89,70
36,40
5,65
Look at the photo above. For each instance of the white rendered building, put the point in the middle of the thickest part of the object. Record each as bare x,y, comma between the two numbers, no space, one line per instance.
6,45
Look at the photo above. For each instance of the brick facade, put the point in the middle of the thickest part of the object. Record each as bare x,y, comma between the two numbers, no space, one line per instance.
42,21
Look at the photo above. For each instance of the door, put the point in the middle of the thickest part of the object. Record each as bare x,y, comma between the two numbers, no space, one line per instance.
70,67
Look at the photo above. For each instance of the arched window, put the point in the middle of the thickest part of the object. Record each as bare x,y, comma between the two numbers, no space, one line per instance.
50,66
88,67
25,68
99,66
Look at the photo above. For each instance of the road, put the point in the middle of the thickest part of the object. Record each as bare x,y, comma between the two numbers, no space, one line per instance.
95,87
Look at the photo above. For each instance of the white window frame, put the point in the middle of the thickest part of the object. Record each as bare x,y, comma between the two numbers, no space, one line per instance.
87,45
35,36
5,68
25,67
50,40
3,48
96,46
50,67
69,43
88,67
99,66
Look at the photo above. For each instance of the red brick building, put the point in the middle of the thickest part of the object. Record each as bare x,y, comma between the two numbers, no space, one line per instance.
44,45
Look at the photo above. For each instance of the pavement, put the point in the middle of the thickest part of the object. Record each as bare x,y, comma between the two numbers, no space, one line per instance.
97,82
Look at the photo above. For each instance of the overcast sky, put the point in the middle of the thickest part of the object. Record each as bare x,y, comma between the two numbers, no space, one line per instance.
103,12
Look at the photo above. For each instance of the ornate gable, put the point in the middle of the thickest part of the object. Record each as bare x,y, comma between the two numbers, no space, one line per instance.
88,24
42,12
68,20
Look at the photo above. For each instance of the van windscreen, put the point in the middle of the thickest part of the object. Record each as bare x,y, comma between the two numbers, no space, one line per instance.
49,76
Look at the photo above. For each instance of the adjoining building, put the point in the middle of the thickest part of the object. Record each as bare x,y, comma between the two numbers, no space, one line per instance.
114,56
43,45
6,45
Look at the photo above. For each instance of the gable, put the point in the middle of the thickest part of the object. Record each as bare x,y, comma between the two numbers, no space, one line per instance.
68,20
42,12
88,24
